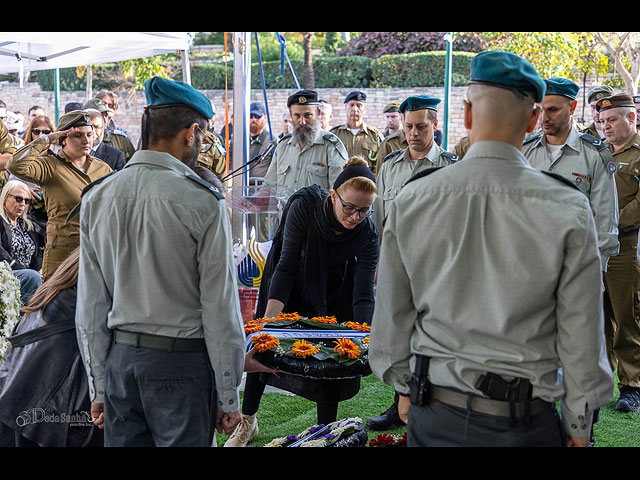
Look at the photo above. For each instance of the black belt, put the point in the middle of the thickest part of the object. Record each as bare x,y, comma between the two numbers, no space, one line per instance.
487,405
159,342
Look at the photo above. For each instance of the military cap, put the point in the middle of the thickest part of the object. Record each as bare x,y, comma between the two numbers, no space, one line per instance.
601,91
419,102
257,108
615,101
75,118
507,70
163,92
303,97
391,107
562,86
71,106
96,104
359,96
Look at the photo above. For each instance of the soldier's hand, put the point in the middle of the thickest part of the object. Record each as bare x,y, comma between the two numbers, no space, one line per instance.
53,136
577,442
251,365
403,408
227,421
97,414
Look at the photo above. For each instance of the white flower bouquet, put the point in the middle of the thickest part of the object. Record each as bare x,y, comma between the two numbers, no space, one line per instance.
9,305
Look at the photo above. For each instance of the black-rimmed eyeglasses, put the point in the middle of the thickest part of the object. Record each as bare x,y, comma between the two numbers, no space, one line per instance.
350,209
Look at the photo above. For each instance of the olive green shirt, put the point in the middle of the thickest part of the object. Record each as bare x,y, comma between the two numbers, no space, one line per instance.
392,143
7,145
215,158
396,171
61,182
627,183
490,265
319,163
365,143
590,167
156,257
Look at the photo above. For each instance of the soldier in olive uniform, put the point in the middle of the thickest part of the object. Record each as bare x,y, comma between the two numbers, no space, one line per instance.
7,149
581,158
392,140
358,138
419,123
489,281
622,310
212,155
595,94
308,155
461,147
61,164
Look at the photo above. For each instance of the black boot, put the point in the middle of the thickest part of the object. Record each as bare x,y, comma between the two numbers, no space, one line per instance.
629,400
387,420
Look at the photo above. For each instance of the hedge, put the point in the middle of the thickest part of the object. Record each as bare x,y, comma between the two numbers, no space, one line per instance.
407,70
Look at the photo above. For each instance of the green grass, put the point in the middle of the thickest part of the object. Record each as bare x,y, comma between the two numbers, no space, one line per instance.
281,415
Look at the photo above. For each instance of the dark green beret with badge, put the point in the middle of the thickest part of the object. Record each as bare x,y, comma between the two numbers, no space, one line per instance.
496,68
615,101
163,92
419,102
562,86
303,97
358,96
75,118
599,92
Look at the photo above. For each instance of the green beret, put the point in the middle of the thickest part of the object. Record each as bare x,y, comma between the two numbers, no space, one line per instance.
562,86
601,91
391,107
419,102
75,118
161,91
303,97
507,70
615,101
96,104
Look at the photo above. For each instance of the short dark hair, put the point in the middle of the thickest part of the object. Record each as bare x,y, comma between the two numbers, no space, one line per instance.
166,122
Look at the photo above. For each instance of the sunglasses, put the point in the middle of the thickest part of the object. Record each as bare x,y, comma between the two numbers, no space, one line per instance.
37,131
19,199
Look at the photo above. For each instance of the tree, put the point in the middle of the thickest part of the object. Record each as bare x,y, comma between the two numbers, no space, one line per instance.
308,81
624,48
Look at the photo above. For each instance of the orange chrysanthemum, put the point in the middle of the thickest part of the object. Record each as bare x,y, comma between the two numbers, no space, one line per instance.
292,317
365,340
331,320
253,326
344,346
361,327
303,349
264,342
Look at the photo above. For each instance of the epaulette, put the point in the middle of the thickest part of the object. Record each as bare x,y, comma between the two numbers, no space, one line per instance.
207,185
76,210
392,154
422,174
605,153
285,136
332,137
532,138
562,179
451,156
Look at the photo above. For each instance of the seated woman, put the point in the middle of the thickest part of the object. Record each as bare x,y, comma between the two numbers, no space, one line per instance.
61,164
42,375
322,262
20,245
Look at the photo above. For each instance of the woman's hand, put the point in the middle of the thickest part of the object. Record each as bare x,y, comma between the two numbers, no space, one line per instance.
53,136
251,365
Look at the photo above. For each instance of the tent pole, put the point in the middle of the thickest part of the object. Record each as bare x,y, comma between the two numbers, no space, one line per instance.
186,67
447,92
56,88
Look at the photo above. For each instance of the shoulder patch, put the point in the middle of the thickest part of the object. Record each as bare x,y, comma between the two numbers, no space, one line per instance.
203,183
76,210
392,154
532,138
596,142
562,179
451,156
605,153
422,174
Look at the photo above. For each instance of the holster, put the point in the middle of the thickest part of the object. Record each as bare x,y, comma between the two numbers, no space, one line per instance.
420,385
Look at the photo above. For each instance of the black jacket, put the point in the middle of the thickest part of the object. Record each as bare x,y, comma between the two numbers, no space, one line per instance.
111,156
45,394
5,247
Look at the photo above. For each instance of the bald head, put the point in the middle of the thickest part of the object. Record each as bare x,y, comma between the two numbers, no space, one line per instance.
494,113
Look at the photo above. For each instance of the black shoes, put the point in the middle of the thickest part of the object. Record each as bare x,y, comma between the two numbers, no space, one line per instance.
629,400
385,421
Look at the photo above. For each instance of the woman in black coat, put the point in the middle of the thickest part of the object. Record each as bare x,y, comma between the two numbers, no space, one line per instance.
20,244
322,262
44,399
